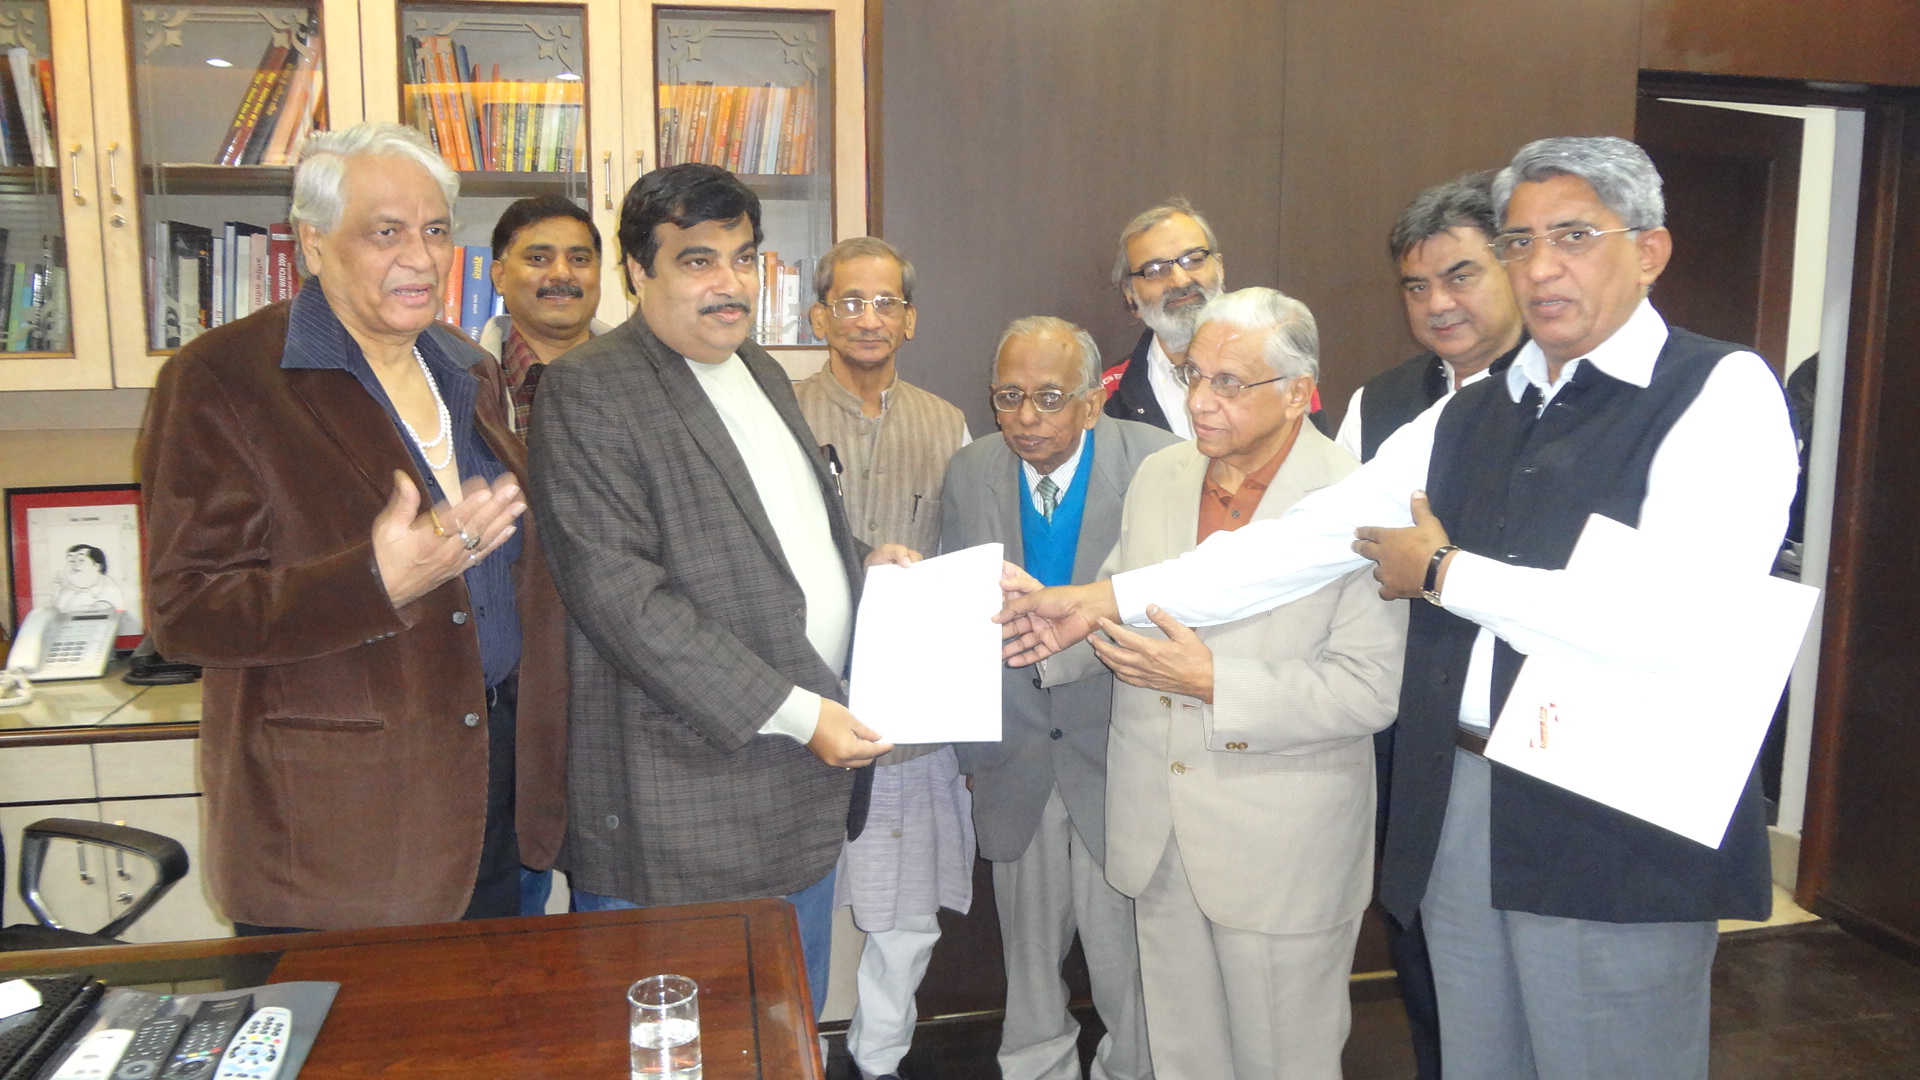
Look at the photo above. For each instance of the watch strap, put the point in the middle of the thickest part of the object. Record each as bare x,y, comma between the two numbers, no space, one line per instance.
1429,588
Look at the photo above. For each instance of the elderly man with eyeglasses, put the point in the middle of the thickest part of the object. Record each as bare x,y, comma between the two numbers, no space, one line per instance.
1569,940
1050,489
890,441
1240,793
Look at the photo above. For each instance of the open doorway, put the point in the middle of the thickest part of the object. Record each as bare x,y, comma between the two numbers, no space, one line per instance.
1765,201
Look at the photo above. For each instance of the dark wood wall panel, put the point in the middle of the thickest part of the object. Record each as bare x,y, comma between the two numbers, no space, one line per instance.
1019,137
1385,98
1865,41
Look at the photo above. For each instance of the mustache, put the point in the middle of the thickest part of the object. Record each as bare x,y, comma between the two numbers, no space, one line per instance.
564,288
1441,322
1173,296
740,306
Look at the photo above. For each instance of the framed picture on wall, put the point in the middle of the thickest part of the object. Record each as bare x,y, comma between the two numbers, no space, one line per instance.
76,550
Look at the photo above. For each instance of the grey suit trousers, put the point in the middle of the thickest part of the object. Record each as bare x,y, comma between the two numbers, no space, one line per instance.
1533,997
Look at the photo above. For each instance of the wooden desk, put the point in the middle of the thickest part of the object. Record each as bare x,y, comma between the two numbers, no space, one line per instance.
514,999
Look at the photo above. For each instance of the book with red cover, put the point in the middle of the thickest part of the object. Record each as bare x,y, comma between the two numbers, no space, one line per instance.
282,278
248,115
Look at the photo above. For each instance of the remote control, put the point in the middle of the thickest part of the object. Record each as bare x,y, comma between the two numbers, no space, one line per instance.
257,1051
96,1056
200,1049
148,1051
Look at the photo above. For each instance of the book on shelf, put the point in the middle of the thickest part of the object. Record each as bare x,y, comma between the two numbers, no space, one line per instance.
450,290
201,277
782,303
765,130
476,300
283,104
26,90
489,124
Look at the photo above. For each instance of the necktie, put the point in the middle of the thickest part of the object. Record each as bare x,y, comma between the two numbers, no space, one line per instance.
1049,493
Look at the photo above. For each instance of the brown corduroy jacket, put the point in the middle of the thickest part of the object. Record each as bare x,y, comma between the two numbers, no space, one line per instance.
344,770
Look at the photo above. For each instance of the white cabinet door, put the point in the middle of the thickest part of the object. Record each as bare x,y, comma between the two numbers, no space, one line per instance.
187,913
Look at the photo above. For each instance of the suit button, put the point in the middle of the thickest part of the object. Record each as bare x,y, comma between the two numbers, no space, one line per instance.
1165,701
800,612
613,821
1179,768
459,618
1055,733
1037,684
471,719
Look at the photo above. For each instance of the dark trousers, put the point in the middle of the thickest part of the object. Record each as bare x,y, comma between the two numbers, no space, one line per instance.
1407,945
496,886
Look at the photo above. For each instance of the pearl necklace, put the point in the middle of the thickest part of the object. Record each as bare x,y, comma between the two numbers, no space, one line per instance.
446,420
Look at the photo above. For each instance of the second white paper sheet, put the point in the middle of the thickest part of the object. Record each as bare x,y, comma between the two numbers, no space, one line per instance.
926,652
1671,746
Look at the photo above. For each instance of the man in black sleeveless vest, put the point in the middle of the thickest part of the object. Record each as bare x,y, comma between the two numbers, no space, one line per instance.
1460,306
1570,941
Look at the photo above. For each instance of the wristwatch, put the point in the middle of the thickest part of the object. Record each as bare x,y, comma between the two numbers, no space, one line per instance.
1430,587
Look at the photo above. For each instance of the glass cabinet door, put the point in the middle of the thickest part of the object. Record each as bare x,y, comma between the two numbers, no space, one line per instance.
49,219
218,99
774,94
519,98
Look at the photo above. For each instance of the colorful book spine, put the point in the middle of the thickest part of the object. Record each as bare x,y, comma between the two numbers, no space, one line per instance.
450,289
476,302
282,277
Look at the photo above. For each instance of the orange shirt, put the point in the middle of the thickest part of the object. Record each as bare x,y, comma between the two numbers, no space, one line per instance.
1221,510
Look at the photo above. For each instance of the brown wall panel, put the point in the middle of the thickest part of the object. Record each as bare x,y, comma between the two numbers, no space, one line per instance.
1384,98
1019,137
1866,41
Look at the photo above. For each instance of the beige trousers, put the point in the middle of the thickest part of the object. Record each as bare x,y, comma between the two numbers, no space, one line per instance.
1227,1004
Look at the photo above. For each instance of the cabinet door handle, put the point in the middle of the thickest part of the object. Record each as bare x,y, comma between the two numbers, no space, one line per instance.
113,173
73,166
639,165
80,851
606,167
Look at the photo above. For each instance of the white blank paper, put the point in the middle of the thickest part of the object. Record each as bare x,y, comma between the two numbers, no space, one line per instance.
1673,746
926,652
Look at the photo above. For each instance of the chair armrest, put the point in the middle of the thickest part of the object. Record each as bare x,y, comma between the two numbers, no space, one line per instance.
166,854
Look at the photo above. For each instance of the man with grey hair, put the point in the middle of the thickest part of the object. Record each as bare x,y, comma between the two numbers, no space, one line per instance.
1260,727
336,535
1167,265
1050,489
890,442
1569,939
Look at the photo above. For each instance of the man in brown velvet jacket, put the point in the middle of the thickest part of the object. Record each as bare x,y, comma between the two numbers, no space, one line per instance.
335,535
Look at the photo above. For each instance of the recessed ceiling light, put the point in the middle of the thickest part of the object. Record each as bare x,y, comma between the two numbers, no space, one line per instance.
567,76
217,62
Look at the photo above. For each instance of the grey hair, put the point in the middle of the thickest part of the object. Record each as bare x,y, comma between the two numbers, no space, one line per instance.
1465,203
1047,324
1293,346
1147,219
860,247
319,184
1619,172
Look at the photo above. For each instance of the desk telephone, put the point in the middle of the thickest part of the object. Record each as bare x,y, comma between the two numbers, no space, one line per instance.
57,645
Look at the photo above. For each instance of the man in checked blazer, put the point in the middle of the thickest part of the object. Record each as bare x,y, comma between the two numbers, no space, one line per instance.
1050,490
710,580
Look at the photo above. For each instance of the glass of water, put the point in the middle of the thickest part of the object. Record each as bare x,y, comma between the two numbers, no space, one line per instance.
665,1028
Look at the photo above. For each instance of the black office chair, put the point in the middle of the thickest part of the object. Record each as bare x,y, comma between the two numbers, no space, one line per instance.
169,860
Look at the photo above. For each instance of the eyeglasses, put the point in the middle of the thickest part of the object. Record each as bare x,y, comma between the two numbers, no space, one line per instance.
1224,385
1160,268
1009,399
1572,242
851,307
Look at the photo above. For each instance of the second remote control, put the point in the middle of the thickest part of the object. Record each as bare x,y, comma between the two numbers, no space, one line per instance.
258,1050
206,1039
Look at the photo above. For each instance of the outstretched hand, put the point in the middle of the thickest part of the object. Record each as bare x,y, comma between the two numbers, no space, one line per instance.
417,552
1401,555
1039,624
1181,664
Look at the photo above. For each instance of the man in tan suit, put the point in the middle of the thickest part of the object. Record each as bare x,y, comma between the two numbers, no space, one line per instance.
1240,788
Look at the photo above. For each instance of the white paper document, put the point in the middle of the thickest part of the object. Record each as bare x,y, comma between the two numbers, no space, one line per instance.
1673,746
926,652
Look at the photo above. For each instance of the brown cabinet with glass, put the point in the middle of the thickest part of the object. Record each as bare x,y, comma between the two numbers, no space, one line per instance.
169,128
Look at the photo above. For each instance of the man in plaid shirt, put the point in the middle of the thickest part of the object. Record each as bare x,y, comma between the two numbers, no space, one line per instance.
546,267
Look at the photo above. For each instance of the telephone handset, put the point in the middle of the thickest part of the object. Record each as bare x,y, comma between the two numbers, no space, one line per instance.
60,645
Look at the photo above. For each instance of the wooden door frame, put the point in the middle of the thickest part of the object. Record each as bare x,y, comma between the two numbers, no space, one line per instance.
1888,113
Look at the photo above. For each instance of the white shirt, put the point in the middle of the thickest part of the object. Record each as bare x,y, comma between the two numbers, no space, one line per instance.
790,493
1717,488
1350,438
1063,476
1167,390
